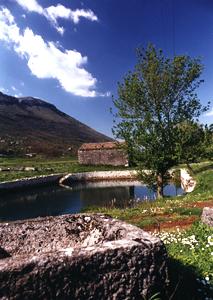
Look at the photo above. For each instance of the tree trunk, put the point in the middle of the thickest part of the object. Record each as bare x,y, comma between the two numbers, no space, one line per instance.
159,186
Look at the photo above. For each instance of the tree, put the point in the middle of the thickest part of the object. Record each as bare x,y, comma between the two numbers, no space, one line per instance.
192,142
208,143
153,100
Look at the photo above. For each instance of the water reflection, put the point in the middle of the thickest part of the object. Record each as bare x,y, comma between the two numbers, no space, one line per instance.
55,200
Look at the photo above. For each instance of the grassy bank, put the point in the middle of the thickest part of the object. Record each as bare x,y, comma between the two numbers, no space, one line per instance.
189,243
171,210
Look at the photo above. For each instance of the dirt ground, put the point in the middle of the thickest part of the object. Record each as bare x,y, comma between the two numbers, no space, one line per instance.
172,225
182,223
201,204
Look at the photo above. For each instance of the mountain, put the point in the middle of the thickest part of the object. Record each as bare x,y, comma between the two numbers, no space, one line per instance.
30,125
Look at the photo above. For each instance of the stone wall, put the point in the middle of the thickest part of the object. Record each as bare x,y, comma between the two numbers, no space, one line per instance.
99,176
113,157
30,182
80,257
187,182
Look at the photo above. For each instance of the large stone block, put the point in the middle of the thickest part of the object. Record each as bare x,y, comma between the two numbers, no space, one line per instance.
207,216
79,257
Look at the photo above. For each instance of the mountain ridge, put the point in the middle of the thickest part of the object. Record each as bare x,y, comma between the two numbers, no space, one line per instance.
29,124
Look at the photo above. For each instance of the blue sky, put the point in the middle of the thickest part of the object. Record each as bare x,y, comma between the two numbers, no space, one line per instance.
72,53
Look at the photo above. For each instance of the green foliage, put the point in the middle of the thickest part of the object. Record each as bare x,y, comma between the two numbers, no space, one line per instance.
192,141
152,102
149,178
196,142
154,297
190,262
193,248
208,143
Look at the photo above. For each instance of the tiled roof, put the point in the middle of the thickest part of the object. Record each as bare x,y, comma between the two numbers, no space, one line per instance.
98,146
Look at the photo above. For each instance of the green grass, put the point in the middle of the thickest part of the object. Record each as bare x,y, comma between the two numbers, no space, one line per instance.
193,247
190,262
45,167
184,211
37,159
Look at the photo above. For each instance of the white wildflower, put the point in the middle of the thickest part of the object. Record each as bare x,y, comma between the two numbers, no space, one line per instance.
210,240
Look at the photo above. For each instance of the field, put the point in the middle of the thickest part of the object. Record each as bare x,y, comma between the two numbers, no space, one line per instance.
14,168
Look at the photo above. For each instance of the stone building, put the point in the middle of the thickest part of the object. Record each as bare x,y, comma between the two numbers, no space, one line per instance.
109,153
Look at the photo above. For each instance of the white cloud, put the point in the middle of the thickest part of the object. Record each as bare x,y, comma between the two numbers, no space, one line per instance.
18,95
30,5
210,113
15,91
53,13
4,90
107,94
46,59
14,88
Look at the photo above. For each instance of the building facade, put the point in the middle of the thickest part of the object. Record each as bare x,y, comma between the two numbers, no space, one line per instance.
110,153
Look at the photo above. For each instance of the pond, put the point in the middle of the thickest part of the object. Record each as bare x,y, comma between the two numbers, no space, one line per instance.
56,200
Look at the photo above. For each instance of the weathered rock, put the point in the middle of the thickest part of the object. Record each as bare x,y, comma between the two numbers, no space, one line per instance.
49,169
18,169
188,183
5,169
3,253
207,216
80,257
28,169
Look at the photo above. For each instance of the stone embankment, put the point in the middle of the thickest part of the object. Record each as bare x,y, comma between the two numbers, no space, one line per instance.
80,257
21,169
99,176
30,182
63,179
187,182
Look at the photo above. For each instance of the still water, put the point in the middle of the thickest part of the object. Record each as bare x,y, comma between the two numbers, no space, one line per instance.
56,200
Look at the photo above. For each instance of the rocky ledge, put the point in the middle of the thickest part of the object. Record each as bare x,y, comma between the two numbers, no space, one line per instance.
79,257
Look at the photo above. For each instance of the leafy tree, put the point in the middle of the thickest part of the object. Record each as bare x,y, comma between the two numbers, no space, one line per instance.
192,142
153,100
208,142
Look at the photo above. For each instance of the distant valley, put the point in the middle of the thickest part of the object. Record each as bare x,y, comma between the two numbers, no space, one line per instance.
30,125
